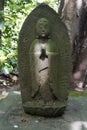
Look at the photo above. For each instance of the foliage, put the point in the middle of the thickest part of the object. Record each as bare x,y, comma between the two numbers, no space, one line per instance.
15,11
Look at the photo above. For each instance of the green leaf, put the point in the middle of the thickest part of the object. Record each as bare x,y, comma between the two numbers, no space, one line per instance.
1,25
5,70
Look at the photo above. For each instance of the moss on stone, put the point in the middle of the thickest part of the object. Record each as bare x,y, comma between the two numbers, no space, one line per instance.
40,108
78,94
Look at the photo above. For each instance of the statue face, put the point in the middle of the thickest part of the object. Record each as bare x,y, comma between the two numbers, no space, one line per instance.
42,27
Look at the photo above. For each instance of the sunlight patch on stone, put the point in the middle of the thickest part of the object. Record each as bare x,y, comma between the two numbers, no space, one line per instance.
2,112
3,95
78,125
17,92
15,126
42,65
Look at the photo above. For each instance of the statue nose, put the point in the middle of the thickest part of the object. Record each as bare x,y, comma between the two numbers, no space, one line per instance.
43,30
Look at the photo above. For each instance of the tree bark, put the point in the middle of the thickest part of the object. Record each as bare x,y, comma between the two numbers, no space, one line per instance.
61,7
74,14
1,4
69,13
1,14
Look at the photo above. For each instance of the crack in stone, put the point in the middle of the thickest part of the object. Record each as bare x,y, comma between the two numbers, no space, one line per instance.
43,69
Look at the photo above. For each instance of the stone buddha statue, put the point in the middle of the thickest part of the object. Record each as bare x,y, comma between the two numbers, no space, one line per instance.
41,52
44,57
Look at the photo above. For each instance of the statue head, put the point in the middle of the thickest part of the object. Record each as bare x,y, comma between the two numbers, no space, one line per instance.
42,27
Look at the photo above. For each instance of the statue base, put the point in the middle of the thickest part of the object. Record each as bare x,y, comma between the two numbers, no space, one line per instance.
49,109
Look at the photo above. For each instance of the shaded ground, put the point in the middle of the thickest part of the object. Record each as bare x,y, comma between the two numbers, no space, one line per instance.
13,117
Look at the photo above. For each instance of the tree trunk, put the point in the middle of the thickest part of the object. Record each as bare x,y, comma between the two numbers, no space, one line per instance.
1,15
74,14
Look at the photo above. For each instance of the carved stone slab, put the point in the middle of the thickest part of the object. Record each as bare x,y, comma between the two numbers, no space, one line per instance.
44,55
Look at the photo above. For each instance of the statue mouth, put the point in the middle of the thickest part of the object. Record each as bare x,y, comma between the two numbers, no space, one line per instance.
43,34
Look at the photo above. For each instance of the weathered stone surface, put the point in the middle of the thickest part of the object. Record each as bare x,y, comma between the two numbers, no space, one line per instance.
44,55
